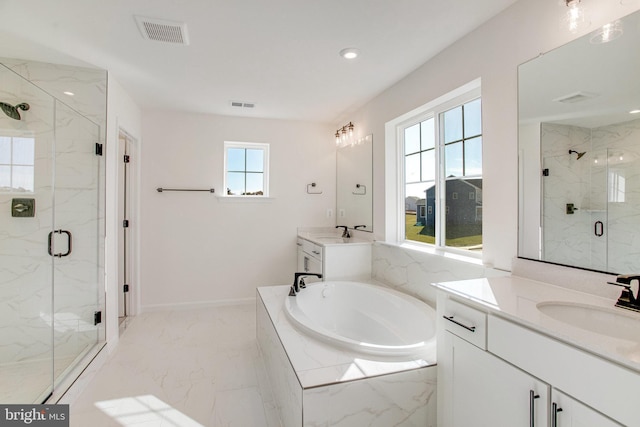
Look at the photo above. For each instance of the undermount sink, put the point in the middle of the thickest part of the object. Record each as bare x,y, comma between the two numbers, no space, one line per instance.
330,239
612,322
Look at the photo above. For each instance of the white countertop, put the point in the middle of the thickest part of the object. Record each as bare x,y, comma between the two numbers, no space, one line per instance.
330,237
515,298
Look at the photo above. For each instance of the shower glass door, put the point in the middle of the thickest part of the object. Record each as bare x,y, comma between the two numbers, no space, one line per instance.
76,239
51,240
26,270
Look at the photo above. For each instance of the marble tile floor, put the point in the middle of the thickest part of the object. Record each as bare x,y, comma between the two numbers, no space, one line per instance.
198,367
29,381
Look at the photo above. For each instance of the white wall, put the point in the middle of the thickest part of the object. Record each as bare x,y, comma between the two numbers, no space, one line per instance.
122,113
492,53
198,248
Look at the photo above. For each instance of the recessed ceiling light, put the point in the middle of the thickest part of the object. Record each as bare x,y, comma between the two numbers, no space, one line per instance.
349,53
68,93
634,111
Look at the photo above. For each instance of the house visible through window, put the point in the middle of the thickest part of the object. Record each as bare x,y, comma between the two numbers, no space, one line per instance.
246,169
437,172
17,156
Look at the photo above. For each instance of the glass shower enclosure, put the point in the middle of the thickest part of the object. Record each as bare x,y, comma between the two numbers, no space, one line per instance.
51,240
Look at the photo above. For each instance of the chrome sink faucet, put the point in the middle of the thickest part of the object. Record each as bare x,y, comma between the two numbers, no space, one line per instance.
627,299
345,233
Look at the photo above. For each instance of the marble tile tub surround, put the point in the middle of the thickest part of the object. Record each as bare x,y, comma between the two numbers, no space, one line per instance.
335,386
411,271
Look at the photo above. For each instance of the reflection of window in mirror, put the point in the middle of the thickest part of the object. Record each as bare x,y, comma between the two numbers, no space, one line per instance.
458,170
17,156
246,169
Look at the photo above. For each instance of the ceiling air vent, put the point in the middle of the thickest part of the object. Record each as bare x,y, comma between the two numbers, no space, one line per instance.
239,104
575,97
163,31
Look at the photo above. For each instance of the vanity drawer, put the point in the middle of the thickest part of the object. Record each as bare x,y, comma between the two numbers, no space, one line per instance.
465,322
312,249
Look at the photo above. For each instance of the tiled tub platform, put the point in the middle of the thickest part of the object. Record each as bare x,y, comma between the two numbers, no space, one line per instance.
317,384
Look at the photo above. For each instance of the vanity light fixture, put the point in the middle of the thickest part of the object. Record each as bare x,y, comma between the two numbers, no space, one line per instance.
574,19
344,135
607,33
634,111
349,53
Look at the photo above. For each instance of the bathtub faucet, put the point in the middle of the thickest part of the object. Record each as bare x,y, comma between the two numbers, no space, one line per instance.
295,288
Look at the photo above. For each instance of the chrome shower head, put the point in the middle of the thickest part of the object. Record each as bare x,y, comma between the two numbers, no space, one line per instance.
579,154
12,111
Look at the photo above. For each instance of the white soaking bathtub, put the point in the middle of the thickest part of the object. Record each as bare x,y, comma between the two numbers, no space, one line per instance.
364,318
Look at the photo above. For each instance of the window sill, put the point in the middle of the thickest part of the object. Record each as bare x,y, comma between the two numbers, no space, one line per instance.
245,199
471,258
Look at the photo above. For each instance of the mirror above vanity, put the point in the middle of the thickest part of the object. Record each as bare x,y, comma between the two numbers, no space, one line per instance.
354,182
579,152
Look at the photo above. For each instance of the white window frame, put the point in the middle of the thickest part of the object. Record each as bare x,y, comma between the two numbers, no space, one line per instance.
12,165
265,174
394,167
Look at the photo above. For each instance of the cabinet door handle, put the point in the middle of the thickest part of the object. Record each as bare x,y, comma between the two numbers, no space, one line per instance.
468,328
554,414
316,252
532,407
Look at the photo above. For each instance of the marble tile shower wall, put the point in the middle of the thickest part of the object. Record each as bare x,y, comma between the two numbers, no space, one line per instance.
411,271
26,272
604,186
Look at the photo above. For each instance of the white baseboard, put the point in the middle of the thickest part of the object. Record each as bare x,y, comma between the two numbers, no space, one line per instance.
195,305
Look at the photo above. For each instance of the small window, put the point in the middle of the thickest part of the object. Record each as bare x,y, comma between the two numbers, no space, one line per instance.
17,156
246,169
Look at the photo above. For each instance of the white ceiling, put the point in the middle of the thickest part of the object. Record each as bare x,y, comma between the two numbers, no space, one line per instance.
281,55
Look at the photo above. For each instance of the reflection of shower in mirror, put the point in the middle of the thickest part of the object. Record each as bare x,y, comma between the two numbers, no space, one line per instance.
579,154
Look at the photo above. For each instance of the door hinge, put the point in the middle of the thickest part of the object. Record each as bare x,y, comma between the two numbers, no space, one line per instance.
125,288
125,223
98,149
97,317
127,158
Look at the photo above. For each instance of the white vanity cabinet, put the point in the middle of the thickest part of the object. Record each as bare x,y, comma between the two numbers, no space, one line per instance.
309,257
494,372
476,388
486,391
336,261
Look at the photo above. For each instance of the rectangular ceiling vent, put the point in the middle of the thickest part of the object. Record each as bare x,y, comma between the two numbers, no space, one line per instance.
575,97
163,31
239,104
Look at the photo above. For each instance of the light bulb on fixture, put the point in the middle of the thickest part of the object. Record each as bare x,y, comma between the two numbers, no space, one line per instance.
345,134
608,32
574,18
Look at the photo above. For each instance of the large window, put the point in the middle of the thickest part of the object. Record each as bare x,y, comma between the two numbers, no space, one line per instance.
442,159
17,156
246,169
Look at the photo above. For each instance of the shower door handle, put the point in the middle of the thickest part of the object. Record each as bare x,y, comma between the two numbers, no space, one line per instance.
69,243
598,228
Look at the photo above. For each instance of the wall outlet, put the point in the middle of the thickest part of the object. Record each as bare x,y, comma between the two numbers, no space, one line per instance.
329,213
341,213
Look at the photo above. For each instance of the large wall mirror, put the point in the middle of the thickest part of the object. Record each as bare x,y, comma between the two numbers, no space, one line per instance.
579,152
354,181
